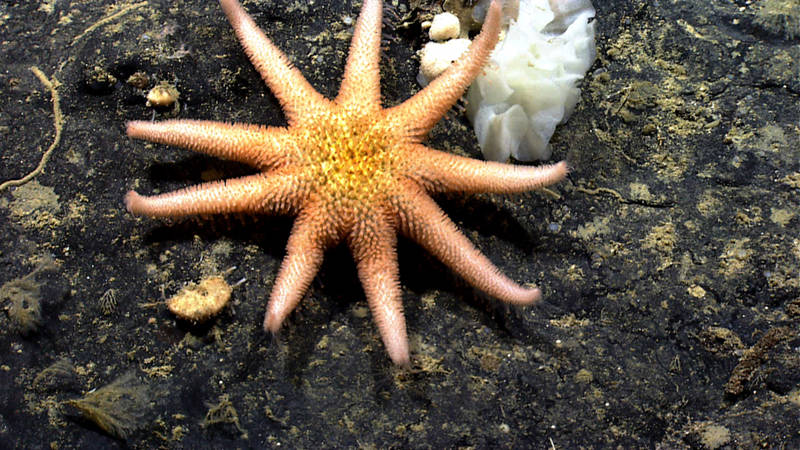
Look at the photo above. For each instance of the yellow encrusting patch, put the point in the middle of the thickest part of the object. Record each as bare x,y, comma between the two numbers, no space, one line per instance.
200,302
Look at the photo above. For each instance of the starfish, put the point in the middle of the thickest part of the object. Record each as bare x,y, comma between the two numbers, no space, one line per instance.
349,170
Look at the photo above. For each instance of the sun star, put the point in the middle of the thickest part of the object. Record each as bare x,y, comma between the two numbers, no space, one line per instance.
349,170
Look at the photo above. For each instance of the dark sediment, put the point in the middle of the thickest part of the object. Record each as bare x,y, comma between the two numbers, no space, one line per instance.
671,253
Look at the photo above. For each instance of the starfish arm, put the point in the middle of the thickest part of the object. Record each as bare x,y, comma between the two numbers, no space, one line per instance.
373,247
261,147
292,90
423,221
444,172
270,193
361,82
419,114
311,235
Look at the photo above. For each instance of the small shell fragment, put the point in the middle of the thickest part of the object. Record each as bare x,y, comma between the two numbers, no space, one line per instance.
436,57
444,26
200,302
162,95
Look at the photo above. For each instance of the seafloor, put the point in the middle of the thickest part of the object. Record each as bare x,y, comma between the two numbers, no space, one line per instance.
669,259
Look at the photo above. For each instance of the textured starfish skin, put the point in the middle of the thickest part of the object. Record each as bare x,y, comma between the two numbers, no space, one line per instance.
350,171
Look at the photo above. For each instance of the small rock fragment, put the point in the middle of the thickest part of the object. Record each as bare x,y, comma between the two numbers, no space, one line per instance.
139,80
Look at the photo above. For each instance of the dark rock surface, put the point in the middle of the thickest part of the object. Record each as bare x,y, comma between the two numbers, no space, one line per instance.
670,258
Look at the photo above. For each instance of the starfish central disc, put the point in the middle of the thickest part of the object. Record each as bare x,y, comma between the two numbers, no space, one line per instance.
352,160
350,171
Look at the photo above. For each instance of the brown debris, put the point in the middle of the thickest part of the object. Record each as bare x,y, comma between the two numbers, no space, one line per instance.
22,299
59,375
720,340
222,413
118,408
754,357
793,309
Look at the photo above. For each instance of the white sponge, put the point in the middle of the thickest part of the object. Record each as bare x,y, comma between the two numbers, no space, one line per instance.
530,83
